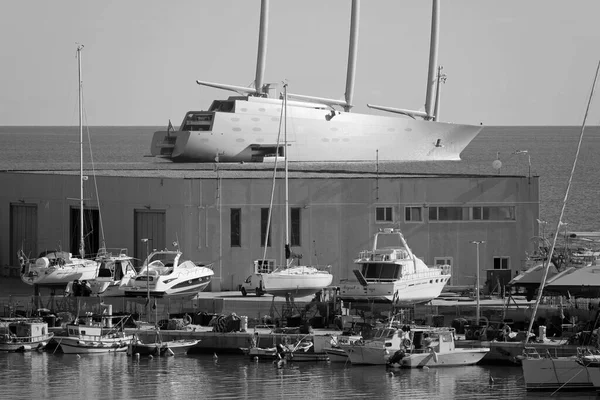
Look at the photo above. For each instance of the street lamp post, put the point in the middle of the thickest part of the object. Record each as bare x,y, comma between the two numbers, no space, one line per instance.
478,311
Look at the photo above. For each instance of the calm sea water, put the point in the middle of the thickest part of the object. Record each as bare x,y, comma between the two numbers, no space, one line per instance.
45,375
54,376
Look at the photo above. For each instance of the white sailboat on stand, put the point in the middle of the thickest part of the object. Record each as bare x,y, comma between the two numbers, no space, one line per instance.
289,280
60,267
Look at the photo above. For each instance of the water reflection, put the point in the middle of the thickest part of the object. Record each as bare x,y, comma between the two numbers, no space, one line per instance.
110,376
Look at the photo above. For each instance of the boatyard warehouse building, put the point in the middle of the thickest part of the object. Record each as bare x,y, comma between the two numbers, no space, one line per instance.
219,215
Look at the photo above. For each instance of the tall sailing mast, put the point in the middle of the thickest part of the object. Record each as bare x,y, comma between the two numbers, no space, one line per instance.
81,177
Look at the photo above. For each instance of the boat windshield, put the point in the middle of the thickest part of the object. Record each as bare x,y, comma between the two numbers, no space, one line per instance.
381,271
386,333
167,259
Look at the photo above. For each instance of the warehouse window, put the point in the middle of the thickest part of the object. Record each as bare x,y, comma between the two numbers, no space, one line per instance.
236,227
295,233
501,262
384,214
448,213
413,214
494,213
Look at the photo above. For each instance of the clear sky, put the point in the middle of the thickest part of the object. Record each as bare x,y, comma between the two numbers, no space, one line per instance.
508,62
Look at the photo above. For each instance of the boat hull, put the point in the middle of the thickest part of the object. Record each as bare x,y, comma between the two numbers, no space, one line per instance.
295,285
563,373
55,276
337,355
181,291
75,345
244,135
416,290
163,349
454,358
365,355
25,345
511,353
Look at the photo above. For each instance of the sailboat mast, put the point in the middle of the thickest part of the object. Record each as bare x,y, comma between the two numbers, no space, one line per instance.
81,237
285,162
562,210
262,46
433,57
352,48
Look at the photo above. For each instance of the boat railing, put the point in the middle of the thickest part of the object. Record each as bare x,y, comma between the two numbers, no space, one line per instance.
383,255
31,339
432,273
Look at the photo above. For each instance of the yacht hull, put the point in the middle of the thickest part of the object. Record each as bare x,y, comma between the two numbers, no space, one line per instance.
60,275
250,133
413,291
295,285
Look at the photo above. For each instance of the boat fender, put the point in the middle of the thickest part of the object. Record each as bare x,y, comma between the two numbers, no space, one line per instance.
187,319
506,330
406,343
42,262
169,352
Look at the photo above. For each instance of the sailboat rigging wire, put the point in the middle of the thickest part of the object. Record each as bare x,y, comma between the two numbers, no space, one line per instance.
281,119
94,175
562,211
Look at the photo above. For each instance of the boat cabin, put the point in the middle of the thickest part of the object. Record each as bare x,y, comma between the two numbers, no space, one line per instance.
23,330
115,268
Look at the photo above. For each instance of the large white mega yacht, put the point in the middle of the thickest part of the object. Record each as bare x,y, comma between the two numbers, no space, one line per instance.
244,128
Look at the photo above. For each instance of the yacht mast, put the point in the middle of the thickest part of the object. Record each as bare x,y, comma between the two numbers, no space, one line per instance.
433,58
81,237
285,162
562,210
262,46
352,49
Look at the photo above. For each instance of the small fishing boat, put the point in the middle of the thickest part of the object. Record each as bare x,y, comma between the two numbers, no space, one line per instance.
376,350
164,274
23,334
160,348
91,337
301,350
433,347
335,352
